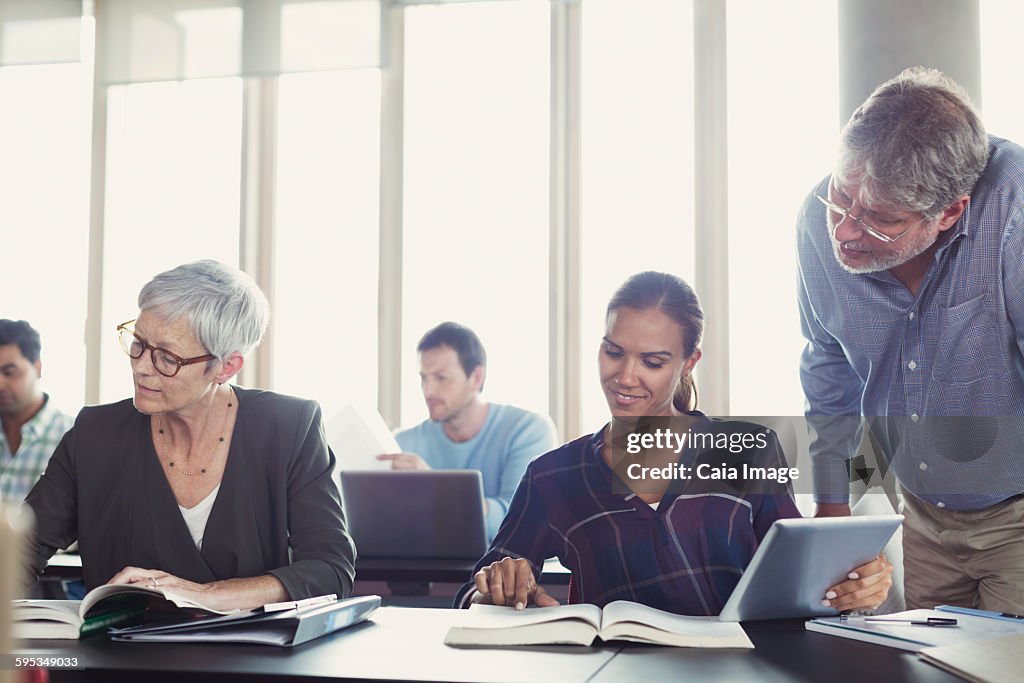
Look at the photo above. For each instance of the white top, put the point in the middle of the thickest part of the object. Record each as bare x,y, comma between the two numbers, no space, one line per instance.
197,516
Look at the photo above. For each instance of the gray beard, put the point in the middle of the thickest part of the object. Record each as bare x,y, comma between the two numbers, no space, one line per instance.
914,247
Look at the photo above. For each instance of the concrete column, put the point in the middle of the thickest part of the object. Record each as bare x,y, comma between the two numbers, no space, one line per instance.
880,38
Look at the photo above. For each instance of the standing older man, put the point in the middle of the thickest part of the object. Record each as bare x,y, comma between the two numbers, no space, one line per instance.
32,426
912,302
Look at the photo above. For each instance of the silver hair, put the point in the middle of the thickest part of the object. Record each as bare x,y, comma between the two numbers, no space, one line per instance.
917,144
225,308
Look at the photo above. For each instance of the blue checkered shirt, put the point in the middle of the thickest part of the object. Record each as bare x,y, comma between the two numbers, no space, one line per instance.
39,438
938,377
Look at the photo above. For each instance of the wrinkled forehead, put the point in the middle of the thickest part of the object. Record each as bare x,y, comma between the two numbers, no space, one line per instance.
169,333
858,186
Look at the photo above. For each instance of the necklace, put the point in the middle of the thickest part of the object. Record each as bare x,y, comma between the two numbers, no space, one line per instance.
202,470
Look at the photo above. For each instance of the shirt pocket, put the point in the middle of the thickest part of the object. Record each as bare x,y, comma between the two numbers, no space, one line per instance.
967,338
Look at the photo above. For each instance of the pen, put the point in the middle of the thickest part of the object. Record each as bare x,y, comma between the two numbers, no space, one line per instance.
930,621
299,604
1004,616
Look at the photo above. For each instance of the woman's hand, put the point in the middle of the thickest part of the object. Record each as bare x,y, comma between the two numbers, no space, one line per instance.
223,596
156,578
510,582
866,588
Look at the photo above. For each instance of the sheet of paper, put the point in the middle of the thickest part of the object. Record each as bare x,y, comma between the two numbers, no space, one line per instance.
996,660
967,628
358,434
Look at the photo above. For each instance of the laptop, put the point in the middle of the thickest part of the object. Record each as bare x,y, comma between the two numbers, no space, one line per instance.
433,514
801,558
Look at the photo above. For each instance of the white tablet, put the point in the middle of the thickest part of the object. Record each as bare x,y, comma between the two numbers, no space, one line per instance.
800,559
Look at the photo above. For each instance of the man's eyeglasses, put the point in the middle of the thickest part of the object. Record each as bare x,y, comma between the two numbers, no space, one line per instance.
165,362
861,221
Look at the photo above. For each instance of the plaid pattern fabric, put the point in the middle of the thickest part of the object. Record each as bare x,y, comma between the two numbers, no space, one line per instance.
874,349
685,557
39,438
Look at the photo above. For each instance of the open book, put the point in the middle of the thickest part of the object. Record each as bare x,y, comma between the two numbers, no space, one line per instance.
104,606
581,624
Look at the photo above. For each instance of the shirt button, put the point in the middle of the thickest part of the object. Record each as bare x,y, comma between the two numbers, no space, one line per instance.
912,365
911,316
923,466
915,417
940,504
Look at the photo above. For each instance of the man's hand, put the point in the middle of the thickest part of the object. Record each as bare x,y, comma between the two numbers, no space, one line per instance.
867,588
510,582
832,510
405,461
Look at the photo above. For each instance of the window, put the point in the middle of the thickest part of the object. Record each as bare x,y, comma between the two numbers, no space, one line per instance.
783,128
325,303
476,191
172,189
44,214
637,160
1001,78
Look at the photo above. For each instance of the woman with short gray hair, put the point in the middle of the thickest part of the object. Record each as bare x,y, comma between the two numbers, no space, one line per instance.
222,494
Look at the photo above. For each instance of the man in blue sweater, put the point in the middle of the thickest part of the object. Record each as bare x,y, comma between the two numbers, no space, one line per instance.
464,431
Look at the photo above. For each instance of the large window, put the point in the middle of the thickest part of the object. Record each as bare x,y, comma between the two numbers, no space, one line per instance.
637,160
1001,79
475,246
476,146
44,215
325,304
172,188
783,128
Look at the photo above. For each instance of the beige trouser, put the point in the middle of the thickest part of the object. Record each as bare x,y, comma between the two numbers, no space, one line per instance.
966,558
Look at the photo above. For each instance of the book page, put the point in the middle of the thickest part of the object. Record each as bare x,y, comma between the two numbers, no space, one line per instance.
623,611
495,616
357,435
102,592
733,635
65,611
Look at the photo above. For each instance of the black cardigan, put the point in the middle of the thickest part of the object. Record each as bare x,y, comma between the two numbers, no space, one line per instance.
105,488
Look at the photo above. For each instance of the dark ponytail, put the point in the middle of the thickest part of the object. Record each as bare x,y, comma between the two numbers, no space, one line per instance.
677,300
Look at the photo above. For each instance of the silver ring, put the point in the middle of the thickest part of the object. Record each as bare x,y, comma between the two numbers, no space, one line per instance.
155,582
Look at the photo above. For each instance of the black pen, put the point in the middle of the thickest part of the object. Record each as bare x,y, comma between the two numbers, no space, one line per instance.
930,621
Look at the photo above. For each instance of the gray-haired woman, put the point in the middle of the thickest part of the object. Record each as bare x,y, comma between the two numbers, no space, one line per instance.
219,493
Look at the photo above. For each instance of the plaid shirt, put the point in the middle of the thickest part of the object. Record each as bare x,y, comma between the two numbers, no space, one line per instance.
685,557
943,369
39,438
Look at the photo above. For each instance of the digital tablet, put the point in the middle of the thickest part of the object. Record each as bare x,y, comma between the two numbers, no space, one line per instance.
802,558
